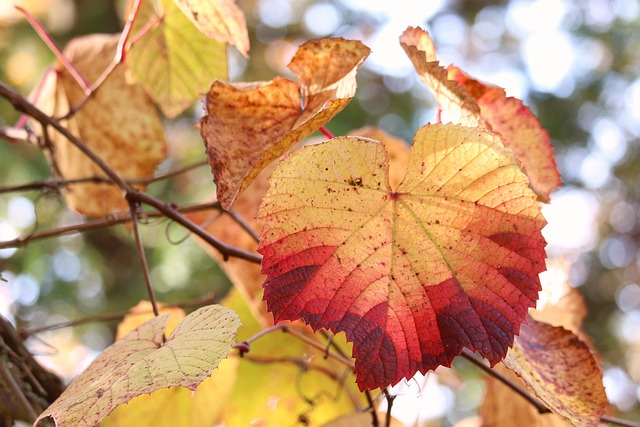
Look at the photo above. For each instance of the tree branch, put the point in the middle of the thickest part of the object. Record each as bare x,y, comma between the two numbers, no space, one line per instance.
21,104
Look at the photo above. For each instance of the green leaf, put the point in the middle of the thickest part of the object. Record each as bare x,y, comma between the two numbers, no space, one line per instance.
141,363
174,61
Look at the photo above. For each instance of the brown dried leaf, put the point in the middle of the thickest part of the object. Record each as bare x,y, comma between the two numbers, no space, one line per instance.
119,123
561,370
452,98
519,127
219,19
248,126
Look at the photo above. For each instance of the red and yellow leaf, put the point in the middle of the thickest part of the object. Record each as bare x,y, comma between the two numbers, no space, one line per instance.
519,127
448,259
248,126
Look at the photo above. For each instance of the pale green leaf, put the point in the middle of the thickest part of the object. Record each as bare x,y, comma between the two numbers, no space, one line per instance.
174,61
141,363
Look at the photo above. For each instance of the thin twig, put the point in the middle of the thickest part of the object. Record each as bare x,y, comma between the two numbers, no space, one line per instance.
467,354
96,225
618,421
285,327
390,398
372,408
198,302
133,207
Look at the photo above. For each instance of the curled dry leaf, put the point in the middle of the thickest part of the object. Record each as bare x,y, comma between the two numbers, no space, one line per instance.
452,98
519,127
448,259
120,123
174,406
561,370
218,19
173,61
248,126
141,363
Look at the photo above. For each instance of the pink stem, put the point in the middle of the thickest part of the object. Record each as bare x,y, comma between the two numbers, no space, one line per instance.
326,132
56,50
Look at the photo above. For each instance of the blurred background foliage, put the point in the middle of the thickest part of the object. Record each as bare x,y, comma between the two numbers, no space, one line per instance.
575,63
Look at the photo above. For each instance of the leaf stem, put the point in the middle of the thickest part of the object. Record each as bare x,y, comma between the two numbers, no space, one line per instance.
46,38
326,132
133,207
124,36
372,408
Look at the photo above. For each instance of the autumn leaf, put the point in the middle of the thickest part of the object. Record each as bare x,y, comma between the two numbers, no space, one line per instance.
519,127
248,126
174,406
173,61
142,363
133,148
449,259
561,370
452,98
218,19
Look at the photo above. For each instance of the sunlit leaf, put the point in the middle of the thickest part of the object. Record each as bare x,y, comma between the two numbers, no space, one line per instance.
219,19
119,123
448,259
173,61
519,127
141,363
453,99
248,126
561,370
174,406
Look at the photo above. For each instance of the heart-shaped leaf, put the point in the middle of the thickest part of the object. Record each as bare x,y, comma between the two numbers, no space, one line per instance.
449,259
248,126
141,363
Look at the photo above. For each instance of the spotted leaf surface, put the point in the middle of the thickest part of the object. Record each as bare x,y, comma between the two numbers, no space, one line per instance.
448,259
